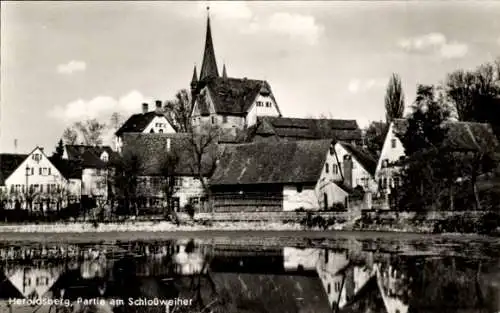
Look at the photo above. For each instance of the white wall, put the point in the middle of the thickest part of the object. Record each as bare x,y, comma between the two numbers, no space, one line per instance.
46,278
326,183
159,124
263,110
293,199
328,267
360,176
305,258
94,182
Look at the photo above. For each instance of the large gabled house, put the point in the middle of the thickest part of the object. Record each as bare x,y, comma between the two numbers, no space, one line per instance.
94,162
36,181
277,176
461,137
151,150
154,122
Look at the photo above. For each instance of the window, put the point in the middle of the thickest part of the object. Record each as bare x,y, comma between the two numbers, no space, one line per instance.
329,289
224,119
32,171
40,171
37,157
335,169
152,131
326,257
49,171
268,104
213,119
259,103
393,143
161,131
327,168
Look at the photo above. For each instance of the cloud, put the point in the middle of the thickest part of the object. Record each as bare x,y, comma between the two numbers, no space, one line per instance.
71,66
434,43
360,86
100,107
295,26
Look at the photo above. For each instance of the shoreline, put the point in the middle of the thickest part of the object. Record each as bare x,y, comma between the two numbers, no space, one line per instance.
167,228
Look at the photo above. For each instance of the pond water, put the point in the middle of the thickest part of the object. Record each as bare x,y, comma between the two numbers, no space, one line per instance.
252,274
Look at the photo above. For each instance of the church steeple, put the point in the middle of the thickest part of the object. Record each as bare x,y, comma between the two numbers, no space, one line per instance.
194,80
224,72
209,65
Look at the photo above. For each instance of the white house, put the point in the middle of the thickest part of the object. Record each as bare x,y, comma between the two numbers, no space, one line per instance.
147,122
359,172
38,179
93,160
277,176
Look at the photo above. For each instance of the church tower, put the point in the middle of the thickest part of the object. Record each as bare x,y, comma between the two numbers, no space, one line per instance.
209,65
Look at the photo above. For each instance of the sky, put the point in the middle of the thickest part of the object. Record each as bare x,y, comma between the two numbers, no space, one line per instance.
63,62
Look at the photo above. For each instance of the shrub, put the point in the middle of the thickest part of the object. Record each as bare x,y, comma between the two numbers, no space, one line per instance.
489,223
189,209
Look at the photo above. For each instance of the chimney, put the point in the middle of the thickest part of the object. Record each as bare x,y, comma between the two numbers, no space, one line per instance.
158,106
168,144
347,170
144,108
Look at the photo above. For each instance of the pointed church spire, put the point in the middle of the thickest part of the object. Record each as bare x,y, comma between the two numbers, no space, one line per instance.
194,80
224,72
209,65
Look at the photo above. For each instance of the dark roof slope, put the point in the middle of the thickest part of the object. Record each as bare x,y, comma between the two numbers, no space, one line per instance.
271,162
460,136
234,96
138,122
89,156
8,164
363,157
308,128
70,169
152,147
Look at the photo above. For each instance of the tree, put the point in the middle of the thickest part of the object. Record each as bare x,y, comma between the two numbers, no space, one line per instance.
125,180
91,131
394,99
375,137
202,143
59,152
468,91
427,169
168,163
179,111
70,136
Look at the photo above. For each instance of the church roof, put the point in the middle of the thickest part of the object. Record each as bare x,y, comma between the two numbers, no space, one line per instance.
306,128
234,96
271,162
209,65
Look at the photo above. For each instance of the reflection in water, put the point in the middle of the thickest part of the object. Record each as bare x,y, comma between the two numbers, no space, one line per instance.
244,278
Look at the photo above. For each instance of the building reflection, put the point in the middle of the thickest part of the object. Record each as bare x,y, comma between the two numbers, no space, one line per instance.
252,278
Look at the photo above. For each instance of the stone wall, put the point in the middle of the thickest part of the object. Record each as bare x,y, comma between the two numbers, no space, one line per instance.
394,215
290,216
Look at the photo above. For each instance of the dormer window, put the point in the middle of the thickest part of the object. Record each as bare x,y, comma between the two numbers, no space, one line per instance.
105,157
299,188
327,168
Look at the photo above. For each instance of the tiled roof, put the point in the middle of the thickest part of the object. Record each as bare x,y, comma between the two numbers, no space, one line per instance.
234,96
89,156
70,169
306,128
151,147
460,136
8,164
271,162
137,122
363,157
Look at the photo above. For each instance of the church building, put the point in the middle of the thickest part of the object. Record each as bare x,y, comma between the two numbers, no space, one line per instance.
228,102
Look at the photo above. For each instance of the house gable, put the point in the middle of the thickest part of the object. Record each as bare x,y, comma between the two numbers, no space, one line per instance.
159,124
392,150
41,171
263,105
